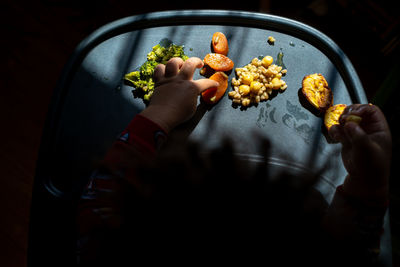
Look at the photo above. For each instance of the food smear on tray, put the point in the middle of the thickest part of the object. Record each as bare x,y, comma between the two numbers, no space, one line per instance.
142,79
220,43
256,81
316,90
214,94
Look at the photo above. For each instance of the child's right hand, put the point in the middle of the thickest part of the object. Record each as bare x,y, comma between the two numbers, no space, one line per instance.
176,93
366,151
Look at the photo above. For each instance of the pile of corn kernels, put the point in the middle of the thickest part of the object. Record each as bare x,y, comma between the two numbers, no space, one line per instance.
255,81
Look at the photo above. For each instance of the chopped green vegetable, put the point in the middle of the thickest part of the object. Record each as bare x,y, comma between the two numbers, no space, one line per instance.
143,78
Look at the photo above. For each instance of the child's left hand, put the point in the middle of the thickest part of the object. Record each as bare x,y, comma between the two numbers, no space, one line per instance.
176,93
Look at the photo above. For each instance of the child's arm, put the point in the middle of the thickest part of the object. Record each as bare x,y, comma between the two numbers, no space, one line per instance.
173,102
359,205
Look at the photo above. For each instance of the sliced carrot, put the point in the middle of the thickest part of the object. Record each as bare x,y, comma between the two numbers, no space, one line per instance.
218,62
214,94
220,43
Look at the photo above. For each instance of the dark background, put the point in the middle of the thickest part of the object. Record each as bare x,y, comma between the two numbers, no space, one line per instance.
39,36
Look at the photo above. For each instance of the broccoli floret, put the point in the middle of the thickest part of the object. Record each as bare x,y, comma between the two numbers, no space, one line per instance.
176,51
147,69
157,53
152,56
160,51
142,79
140,84
132,77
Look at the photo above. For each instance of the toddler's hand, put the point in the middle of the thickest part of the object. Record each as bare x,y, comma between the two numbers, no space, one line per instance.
176,93
366,150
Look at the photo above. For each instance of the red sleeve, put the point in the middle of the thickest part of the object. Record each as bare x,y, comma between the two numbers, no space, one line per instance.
142,136
99,209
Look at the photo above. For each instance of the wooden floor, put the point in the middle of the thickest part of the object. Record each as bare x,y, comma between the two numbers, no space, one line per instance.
39,36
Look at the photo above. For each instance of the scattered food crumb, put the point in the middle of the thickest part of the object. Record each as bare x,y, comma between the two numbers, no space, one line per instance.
271,40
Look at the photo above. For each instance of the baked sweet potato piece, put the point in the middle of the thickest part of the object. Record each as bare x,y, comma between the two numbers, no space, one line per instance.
316,91
214,94
333,114
218,62
220,43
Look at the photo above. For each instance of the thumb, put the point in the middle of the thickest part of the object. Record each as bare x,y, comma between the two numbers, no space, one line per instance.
204,84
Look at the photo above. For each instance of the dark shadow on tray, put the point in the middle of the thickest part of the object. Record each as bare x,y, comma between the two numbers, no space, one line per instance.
304,102
186,128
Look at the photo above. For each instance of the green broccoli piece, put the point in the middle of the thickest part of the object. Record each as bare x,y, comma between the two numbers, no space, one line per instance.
142,79
152,56
147,69
132,77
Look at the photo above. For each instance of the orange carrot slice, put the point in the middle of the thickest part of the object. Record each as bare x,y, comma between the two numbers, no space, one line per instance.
220,43
218,62
214,94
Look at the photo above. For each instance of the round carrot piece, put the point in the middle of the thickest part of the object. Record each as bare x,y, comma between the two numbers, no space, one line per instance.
220,43
214,94
218,62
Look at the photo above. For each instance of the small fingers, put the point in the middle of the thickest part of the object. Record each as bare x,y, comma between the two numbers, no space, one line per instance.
337,133
357,137
373,118
173,66
159,73
190,65
204,84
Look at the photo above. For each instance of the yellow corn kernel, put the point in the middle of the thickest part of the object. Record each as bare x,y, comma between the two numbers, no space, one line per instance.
244,89
271,40
276,83
266,61
255,87
256,62
247,78
245,102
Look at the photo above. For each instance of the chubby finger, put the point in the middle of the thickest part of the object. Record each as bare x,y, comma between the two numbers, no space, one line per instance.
373,119
204,84
190,65
357,137
172,67
159,73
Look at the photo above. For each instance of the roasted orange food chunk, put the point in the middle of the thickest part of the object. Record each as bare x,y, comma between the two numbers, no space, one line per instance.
315,89
218,62
214,94
333,114
220,43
